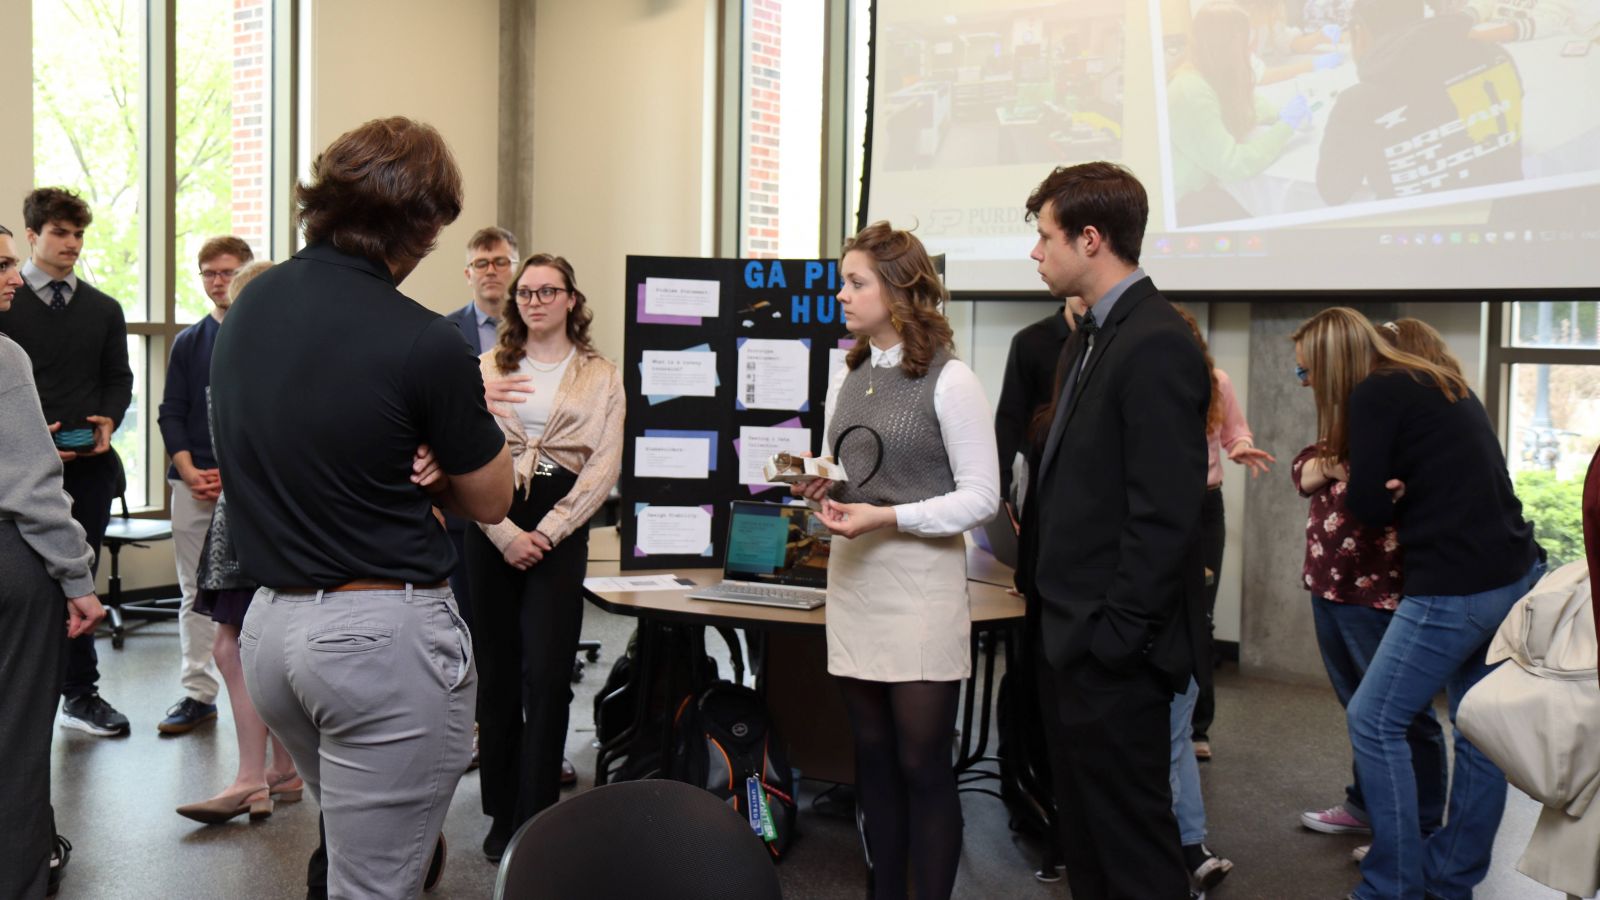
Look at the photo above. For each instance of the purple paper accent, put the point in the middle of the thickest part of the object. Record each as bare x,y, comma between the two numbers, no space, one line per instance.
645,318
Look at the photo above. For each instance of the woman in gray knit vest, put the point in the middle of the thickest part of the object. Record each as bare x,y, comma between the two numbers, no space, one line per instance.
914,432
46,584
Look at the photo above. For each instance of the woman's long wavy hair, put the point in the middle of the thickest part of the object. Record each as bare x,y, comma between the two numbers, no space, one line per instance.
1341,348
911,288
1214,412
1418,337
512,336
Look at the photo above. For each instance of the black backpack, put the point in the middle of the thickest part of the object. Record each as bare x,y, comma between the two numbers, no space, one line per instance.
724,742
617,702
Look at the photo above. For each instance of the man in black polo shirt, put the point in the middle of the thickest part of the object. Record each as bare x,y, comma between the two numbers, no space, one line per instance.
344,412
78,341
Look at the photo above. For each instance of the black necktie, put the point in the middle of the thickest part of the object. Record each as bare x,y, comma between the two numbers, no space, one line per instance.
58,295
1090,328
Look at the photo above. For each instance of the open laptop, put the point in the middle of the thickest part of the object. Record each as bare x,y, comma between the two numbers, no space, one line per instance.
777,556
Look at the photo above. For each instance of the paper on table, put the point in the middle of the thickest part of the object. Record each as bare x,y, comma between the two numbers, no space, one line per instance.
682,297
680,373
671,457
638,583
774,374
673,531
757,445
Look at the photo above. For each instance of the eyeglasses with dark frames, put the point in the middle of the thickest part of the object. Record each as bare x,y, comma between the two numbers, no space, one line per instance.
546,295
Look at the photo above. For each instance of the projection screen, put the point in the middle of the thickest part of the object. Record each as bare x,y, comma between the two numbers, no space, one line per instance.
1285,144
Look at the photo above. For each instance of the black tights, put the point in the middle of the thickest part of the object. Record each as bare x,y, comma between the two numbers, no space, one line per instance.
906,783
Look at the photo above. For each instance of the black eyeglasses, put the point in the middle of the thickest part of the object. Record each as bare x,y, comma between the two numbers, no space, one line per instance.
546,294
1302,374
214,274
499,262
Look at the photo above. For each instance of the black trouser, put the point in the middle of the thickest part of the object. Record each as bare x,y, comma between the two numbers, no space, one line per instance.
526,637
33,617
91,481
1213,537
1118,834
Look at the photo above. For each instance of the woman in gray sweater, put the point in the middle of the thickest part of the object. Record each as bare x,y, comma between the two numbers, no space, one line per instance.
44,564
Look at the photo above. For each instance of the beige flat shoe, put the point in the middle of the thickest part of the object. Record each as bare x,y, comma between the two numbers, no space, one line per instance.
224,806
287,790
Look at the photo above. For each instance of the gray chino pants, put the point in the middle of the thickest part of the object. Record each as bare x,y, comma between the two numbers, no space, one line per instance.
373,693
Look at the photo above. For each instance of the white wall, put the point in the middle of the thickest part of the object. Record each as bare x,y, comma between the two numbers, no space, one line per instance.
16,98
623,100
436,62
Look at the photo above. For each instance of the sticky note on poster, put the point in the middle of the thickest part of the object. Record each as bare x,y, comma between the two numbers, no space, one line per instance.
774,374
671,457
756,445
669,374
682,297
672,530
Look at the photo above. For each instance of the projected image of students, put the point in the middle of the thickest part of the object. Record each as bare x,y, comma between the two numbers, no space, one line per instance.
1222,130
999,87
1435,110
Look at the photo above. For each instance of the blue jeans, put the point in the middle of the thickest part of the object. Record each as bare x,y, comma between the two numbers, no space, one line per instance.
1433,643
1348,636
1184,771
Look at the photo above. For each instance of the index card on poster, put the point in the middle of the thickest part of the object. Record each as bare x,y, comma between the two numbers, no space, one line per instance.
774,374
671,457
674,531
672,373
682,297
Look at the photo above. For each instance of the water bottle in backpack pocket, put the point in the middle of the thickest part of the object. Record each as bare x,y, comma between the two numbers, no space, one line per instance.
723,741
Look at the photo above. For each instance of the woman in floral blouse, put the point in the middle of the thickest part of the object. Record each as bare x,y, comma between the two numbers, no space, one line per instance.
1355,577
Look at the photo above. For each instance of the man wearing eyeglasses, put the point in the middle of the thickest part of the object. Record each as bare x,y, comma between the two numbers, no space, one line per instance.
491,260
195,480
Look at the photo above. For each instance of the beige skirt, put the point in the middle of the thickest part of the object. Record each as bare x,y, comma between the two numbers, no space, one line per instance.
898,609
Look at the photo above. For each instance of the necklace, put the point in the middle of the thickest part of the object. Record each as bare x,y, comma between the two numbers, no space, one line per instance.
870,367
547,367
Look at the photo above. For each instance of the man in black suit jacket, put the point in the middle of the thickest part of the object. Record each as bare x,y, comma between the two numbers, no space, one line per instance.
1118,572
491,264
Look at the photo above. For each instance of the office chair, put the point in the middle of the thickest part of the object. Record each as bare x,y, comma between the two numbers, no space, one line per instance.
126,531
660,839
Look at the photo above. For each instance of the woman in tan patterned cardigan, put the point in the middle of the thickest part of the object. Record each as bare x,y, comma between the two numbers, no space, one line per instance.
565,435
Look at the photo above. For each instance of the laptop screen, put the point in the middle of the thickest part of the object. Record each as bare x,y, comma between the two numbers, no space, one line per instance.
777,544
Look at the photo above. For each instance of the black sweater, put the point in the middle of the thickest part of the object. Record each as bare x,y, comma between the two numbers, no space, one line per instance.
1460,521
80,354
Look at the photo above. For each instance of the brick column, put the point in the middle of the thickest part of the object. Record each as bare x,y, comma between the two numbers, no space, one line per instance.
252,118
763,112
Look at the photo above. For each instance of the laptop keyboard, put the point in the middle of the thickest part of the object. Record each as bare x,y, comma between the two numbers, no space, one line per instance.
763,591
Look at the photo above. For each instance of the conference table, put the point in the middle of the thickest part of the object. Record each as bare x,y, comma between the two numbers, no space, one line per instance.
804,705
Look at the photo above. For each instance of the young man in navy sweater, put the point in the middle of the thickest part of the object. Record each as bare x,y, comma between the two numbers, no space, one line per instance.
77,339
194,477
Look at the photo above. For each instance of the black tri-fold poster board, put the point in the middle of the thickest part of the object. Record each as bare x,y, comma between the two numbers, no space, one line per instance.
726,362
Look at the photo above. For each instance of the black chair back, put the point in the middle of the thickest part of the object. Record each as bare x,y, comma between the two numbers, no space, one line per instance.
659,839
